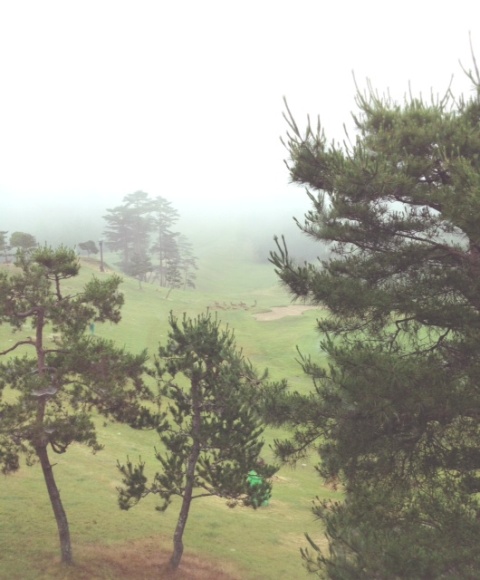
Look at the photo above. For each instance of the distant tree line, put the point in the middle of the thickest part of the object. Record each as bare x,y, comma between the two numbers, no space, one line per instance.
17,240
141,232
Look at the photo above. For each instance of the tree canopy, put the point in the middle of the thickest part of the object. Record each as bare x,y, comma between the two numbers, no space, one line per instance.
394,414
22,240
211,430
89,246
141,232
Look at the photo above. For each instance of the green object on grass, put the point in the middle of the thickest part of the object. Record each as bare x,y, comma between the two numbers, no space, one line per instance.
255,480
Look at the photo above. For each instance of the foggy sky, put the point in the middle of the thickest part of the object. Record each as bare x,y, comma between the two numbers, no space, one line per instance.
102,98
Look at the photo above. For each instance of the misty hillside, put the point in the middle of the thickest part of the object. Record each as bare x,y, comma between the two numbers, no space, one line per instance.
224,228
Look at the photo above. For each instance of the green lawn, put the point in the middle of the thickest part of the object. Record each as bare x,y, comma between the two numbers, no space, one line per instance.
260,544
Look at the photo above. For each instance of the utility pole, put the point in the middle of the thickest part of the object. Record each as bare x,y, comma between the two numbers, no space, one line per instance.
100,243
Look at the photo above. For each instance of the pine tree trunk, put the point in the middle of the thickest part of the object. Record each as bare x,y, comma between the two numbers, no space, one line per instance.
190,480
178,535
40,445
186,502
57,506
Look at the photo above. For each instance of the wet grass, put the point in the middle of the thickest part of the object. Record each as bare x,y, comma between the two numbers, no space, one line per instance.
219,542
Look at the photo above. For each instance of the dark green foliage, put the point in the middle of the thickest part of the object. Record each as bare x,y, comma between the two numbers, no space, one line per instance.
60,378
395,415
211,431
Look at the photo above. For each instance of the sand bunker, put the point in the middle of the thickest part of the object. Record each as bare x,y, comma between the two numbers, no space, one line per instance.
281,311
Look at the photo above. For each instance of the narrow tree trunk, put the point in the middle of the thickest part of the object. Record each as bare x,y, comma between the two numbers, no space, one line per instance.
57,506
40,445
180,528
190,480
186,502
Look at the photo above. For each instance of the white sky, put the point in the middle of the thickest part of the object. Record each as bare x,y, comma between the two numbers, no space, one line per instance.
184,98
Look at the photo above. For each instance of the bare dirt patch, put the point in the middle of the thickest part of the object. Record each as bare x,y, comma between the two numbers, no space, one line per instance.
281,311
138,560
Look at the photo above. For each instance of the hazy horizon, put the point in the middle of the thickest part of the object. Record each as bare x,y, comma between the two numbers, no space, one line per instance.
185,100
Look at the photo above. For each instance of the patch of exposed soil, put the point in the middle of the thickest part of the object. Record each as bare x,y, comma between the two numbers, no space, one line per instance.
144,559
281,311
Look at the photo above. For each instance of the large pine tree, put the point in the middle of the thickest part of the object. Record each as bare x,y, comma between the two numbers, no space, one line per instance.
395,414
165,247
128,232
57,372
141,232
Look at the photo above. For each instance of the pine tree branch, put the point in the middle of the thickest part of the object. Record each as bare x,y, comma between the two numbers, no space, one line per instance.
203,495
20,343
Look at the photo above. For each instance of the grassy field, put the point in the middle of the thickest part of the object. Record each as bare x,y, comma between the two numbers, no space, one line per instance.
220,542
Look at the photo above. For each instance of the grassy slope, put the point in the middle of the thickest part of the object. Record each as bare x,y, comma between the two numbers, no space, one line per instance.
257,544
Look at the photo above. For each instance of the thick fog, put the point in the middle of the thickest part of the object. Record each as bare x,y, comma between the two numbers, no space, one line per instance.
184,100
70,221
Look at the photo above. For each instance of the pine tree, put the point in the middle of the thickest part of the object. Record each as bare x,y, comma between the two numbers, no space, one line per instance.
165,246
68,374
211,432
128,230
394,415
170,274
188,262
141,231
